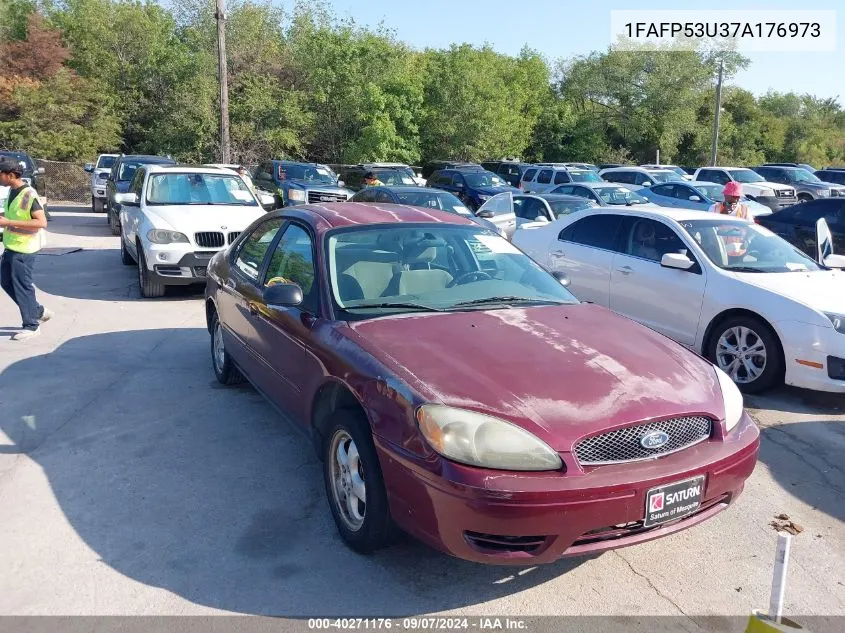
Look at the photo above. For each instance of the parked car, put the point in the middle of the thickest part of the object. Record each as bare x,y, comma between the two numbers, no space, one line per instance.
173,219
434,165
99,180
730,289
831,174
807,185
582,166
546,207
32,175
544,178
678,170
510,171
604,193
797,224
773,195
610,166
121,175
637,178
294,183
474,187
387,173
419,422
809,168
421,197
699,196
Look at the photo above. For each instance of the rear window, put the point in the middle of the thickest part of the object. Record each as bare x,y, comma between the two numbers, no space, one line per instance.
597,231
545,177
561,178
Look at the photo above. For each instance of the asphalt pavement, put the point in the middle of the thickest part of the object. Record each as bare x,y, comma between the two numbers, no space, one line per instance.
132,483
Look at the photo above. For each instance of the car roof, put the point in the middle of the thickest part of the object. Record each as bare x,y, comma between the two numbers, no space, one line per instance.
193,169
552,196
146,157
678,215
344,214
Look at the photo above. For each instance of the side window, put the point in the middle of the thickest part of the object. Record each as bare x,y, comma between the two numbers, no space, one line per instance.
354,178
545,177
383,196
717,176
253,249
583,192
138,182
665,190
293,262
265,172
527,208
365,195
529,174
458,180
649,239
597,231
562,177
641,179
568,190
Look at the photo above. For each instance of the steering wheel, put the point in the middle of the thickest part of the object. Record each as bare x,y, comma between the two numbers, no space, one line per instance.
480,274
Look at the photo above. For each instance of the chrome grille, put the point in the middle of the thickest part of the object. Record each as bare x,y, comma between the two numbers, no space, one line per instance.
325,196
210,239
233,235
623,445
785,193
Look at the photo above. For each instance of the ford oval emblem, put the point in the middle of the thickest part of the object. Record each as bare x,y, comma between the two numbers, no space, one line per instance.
654,440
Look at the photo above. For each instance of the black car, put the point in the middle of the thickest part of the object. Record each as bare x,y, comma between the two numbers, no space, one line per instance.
32,175
832,174
797,224
435,165
122,172
508,170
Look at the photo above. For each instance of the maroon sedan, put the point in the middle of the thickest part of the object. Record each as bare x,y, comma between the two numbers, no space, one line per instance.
456,390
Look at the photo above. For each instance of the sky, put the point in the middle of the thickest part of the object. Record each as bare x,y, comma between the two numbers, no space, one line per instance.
564,28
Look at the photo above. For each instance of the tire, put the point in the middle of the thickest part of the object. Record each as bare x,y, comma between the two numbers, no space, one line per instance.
804,197
97,205
756,333
224,369
125,257
365,532
114,223
149,289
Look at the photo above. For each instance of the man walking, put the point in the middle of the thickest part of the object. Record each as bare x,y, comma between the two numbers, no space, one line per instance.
23,217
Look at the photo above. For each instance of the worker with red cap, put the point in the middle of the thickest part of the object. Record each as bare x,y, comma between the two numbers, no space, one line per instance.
731,204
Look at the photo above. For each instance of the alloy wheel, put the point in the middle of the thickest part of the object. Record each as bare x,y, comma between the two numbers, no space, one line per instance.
347,478
219,349
741,354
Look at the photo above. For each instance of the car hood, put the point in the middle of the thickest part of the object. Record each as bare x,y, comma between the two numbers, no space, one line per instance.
492,191
561,372
189,218
301,184
821,290
757,187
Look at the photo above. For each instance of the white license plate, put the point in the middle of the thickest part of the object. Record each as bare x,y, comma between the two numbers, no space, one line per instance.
670,502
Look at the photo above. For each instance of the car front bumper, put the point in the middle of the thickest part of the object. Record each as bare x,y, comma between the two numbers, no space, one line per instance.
812,356
776,203
176,267
557,514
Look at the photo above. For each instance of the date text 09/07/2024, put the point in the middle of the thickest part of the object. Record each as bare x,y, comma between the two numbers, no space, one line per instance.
419,624
723,29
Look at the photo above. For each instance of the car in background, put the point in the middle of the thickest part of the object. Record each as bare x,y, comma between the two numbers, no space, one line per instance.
174,219
678,170
434,165
546,207
639,177
544,178
809,168
386,173
807,185
611,166
510,171
99,180
797,224
121,175
421,197
729,289
604,194
836,175
293,183
32,175
473,186
582,166
772,194
455,390
698,196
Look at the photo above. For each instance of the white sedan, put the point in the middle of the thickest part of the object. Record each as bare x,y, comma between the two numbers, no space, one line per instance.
174,219
730,290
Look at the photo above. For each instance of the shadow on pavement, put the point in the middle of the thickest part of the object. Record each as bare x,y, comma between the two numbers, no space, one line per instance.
179,483
794,400
77,221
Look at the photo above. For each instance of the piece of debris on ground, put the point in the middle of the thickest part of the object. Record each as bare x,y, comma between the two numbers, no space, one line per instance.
782,523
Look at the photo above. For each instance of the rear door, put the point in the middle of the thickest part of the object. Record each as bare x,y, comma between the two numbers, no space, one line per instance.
527,178
584,251
543,181
663,195
667,300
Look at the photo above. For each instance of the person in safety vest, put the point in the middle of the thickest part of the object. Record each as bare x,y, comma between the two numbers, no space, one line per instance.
370,180
734,240
23,218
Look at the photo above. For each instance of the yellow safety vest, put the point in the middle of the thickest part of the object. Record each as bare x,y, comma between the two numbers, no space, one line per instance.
741,210
19,209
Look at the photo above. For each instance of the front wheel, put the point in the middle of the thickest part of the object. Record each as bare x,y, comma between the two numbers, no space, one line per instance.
354,483
97,205
125,257
805,197
748,351
149,288
224,369
114,223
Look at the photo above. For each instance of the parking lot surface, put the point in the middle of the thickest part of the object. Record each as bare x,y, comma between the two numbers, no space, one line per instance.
131,482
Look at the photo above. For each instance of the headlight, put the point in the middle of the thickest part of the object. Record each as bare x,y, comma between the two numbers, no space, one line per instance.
161,236
732,398
823,193
767,193
481,440
296,195
837,320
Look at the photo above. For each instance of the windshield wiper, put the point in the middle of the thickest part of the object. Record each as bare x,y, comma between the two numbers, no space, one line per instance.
744,269
505,299
407,304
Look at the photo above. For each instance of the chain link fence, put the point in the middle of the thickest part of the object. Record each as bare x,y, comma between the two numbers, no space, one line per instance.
66,182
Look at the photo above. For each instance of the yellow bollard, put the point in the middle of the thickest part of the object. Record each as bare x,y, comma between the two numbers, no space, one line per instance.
760,623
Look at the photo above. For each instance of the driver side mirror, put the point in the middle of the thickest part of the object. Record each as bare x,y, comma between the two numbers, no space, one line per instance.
647,184
485,214
694,199
541,219
459,185
677,261
89,167
340,183
282,295
267,200
128,199
835,261
562,278
40,171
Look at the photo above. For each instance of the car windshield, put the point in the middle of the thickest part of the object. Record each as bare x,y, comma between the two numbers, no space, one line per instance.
619,195
198,188
21,158
746,247
584,176
433,200
713,192
106,162
395,176
664,176
484,179
565,207
746,175
308,173
433,267
802,175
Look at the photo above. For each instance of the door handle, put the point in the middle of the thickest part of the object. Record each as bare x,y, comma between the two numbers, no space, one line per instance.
625,270
558,253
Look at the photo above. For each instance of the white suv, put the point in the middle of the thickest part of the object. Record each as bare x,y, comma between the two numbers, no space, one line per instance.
772,194
545,177
635,178
99,176
174,219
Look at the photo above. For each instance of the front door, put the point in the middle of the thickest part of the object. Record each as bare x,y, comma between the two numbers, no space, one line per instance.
500,210
667,300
